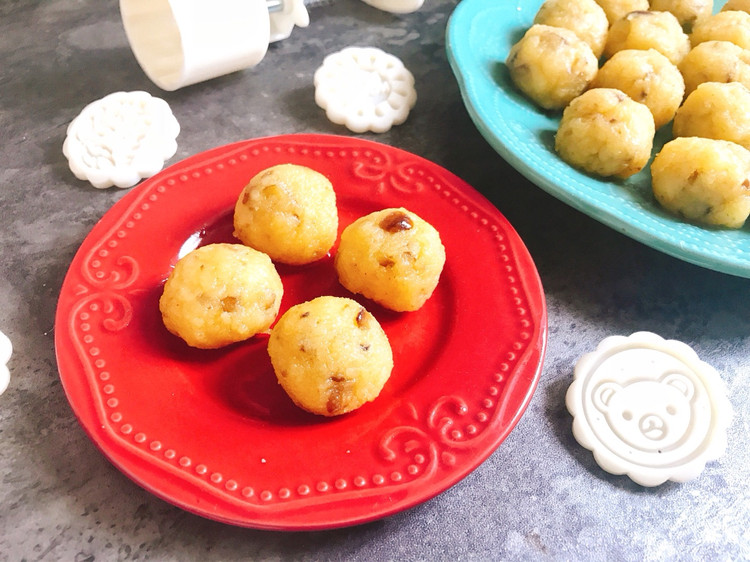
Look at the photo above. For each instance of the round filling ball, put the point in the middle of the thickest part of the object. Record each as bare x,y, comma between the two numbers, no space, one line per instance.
392,257
687,12
736,5
606,133
649,30
647,77
585,18
551,65
617,9
705,180
220,294
330,355
289,212
715,61
731,25
717,111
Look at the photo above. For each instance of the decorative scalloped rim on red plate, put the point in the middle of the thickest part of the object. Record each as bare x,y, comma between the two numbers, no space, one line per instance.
467,363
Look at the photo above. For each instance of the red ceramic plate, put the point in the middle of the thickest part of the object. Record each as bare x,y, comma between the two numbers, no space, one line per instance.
212,432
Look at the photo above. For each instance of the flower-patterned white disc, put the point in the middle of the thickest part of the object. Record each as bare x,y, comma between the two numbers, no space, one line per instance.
364,89
120,139
649,408
396,6
6,350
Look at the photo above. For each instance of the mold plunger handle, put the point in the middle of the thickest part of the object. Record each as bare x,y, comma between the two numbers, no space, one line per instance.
285,14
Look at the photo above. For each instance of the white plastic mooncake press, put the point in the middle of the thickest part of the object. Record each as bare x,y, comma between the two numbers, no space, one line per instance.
649,408
183,42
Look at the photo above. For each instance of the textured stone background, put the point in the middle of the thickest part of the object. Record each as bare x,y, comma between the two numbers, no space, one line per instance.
539,496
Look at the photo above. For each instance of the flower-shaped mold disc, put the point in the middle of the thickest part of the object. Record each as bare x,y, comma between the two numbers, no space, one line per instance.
365,89
6,349
649,408
120,139
396,6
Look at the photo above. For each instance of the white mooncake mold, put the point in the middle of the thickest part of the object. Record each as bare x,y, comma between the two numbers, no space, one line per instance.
396,6
649,408
121,139
179,43
6,350
364,89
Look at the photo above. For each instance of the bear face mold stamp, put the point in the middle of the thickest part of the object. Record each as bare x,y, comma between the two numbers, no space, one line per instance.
6,350
649,408
365,89
120,139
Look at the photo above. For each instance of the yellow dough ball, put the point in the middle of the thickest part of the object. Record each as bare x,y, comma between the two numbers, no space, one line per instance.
732,26
736,5
686,11
606,133
585,18
551,65
330,355
220,294
617,9
717,111
289,212
392,257
647,77
715,61
649,30
704,180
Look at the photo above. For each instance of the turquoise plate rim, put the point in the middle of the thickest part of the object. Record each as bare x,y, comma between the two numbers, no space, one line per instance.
479,35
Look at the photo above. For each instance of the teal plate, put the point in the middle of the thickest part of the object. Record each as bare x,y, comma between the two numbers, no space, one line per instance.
480,34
